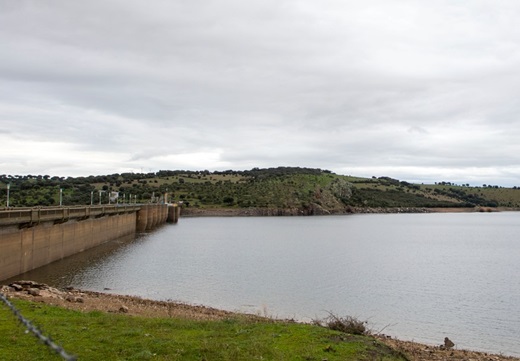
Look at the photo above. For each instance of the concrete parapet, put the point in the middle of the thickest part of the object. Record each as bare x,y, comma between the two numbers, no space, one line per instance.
34,216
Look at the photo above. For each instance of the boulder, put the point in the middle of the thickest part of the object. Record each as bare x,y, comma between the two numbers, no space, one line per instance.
16,287
33,291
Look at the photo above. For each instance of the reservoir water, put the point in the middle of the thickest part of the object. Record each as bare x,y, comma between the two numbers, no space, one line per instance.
419,277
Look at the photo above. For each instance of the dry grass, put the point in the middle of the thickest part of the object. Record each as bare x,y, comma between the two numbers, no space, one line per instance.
347,324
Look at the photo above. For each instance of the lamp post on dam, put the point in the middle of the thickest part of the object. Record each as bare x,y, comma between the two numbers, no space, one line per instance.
8,187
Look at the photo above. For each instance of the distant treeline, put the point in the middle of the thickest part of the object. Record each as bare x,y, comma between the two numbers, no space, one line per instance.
281,187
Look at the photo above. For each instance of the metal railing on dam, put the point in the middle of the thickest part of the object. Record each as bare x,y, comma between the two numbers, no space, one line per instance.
32,216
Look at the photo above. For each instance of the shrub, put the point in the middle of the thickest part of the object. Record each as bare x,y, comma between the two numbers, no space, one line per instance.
348,324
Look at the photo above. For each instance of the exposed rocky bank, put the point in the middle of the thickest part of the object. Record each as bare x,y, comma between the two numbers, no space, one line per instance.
317,210
314,210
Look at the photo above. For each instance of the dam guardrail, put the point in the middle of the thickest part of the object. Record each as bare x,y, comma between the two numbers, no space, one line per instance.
32,216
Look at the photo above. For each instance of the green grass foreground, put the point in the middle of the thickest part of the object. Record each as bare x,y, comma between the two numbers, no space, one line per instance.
104,336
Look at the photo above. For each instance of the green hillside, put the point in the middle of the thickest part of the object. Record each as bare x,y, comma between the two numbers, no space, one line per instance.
313,191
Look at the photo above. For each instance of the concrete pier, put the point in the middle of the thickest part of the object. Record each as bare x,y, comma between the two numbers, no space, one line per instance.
174,212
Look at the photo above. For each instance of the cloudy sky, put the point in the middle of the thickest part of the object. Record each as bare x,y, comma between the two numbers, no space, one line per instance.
417,90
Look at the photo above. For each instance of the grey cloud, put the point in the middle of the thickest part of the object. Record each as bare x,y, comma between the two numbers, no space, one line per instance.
419,88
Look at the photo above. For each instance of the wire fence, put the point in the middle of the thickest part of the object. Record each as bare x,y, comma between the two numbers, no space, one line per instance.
36,332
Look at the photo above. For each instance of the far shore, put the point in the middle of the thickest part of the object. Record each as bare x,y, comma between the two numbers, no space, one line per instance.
248,212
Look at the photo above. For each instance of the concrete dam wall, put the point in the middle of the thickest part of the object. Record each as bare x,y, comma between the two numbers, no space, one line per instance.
31,238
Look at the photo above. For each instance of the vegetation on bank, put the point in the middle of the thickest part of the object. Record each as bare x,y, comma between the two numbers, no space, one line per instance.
282,187
104,336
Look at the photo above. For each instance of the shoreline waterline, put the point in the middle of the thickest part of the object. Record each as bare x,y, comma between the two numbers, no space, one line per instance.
87,301
260,212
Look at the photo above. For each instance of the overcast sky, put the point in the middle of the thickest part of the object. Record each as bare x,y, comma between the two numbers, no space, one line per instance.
421,91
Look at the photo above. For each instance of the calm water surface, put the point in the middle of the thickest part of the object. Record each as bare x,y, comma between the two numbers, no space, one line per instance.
419,276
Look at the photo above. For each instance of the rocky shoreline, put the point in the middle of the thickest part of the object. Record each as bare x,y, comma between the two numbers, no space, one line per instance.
87,301
318,211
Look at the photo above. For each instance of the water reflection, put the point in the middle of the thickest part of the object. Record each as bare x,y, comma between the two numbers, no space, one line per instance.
63,273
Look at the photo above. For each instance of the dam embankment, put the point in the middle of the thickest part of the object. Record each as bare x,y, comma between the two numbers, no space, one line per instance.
33,237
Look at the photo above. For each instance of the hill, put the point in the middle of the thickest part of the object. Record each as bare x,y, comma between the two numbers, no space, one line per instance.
300,190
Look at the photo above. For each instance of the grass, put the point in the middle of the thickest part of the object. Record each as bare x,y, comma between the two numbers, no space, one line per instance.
104,336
